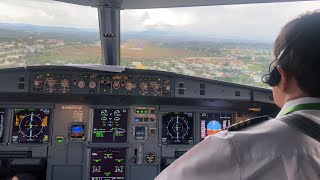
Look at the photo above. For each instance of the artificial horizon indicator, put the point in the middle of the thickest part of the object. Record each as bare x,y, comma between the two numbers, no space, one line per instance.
30,126
212,123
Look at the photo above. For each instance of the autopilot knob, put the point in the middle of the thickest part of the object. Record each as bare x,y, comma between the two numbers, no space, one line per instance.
144,86
92,84
37,84
129,86
64,83
51,82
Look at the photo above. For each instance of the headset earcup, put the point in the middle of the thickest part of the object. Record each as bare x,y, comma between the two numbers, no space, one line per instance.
275,77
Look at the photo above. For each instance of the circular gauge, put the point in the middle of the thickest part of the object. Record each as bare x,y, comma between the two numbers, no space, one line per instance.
31,126
151,158
104,113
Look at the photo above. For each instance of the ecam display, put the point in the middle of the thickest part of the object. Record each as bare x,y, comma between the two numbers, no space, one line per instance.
107,163
110,126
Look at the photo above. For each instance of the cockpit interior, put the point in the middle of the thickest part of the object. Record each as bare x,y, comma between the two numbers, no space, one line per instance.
110,122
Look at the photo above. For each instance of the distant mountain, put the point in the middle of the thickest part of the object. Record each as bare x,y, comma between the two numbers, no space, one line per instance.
19,31
183,36
29,27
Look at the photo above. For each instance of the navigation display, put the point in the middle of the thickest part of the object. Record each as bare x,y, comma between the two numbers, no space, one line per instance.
177,128
212,123
110,125
107,164
30,126
2,117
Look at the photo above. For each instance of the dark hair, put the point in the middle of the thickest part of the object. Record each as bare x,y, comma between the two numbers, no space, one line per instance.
302,58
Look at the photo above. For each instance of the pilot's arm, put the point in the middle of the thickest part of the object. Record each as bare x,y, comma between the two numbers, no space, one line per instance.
213,159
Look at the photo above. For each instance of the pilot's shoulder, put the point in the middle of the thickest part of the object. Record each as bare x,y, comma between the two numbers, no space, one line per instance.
248,123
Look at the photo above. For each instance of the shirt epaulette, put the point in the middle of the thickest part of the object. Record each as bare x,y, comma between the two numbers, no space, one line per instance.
247,123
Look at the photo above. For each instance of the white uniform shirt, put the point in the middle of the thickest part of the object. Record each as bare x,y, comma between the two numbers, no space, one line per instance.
271,150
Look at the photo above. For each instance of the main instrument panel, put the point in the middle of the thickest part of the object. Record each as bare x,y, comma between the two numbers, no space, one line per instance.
70,123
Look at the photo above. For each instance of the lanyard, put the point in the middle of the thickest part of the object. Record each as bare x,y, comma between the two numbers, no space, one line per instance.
310,106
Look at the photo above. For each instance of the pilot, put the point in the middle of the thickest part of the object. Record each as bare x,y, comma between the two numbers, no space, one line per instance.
270,149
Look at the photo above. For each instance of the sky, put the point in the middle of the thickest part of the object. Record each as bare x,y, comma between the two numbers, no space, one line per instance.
254,21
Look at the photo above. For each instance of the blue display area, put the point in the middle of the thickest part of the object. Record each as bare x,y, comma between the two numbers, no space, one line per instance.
77,129
214,125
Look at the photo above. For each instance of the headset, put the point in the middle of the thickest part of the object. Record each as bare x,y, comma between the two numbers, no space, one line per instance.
273,78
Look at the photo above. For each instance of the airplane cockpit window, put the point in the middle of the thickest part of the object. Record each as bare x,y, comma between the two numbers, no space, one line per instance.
231,43
115,90
48,33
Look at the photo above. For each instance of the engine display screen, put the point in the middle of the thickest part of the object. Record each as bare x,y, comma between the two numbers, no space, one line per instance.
30,126
107,163
110,125
212,123
177,128
2,117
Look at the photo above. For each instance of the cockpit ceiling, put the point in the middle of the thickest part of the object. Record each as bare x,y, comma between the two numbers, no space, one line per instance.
145,4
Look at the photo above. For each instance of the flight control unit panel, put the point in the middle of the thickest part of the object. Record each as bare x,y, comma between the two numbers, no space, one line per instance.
66,123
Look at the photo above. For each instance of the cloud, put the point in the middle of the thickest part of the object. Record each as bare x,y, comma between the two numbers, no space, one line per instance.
253,21
250,21
48,13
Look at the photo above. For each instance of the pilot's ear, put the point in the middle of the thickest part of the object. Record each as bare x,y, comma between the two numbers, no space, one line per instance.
285,79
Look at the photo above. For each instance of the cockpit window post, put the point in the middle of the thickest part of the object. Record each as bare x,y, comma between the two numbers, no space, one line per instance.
109,22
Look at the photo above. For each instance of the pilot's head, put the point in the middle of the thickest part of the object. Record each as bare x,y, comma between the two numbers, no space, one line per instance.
296,71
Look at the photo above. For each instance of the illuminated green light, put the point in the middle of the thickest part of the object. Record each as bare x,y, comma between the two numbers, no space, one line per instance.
59,140
142,111
99,134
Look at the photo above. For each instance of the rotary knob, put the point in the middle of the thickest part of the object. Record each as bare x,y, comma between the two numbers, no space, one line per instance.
92,84
37,84
51,82
150,157
81,84
50,89
116,85
129,86
64,83
144,86
155,86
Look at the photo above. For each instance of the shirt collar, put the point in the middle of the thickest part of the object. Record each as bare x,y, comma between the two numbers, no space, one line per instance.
304,100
